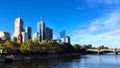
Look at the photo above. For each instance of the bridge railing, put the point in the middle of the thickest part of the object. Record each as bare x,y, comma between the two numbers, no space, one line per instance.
112,49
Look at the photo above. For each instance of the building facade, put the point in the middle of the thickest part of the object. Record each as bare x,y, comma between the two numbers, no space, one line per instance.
28,30
67,39
24,36
63,36
5,36
18,28
58,40
41,30
13,38
49,34
19,39
36,36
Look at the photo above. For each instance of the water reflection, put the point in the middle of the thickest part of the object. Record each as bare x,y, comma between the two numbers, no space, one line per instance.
86,61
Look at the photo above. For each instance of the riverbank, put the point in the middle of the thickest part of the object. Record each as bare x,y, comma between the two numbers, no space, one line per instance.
38,57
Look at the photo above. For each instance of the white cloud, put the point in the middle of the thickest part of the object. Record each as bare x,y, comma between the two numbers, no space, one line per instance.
93,28
79,31
109,21
94,3
114,33
111,37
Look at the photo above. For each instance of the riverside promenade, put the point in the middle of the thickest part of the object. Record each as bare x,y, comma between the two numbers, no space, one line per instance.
38,57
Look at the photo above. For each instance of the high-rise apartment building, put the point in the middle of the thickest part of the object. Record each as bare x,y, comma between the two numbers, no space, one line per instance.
67,39
63,36
41,30
28,30
18,27
24,36
49,34
36,36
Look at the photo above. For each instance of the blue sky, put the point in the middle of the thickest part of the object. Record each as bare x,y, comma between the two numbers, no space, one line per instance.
95,22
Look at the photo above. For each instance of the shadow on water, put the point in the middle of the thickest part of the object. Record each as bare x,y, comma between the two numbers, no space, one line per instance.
44,63
85,61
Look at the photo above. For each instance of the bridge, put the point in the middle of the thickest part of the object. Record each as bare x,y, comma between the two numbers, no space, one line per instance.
102,51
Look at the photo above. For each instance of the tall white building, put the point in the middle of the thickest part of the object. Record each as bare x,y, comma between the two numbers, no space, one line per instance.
24,36
36,36
67,39
41,30
18,27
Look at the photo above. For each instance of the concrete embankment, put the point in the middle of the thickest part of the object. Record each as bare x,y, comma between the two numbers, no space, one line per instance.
38,57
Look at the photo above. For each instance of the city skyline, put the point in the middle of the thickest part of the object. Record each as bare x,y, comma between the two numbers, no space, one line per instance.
86,22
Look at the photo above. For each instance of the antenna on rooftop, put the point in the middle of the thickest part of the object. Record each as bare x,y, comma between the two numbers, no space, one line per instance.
41,17
19,15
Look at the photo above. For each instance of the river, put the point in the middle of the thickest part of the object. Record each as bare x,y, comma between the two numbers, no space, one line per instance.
85,61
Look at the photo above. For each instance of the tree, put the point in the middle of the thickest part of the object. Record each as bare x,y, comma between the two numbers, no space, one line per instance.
45,46
89,46
67,48
77,47
50,46
54,47
10,47
27,46
103,47
36,47
1,46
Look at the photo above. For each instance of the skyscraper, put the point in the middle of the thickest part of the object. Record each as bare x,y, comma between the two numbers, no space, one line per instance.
18,27
67,39
24,36
28,31
41,30
63,36
49,34
36,36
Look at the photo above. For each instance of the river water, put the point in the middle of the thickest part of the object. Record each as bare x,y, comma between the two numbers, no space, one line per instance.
85,61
